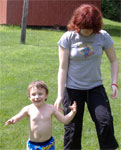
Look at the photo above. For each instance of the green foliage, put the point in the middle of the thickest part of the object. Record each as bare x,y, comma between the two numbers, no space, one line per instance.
111,9
38,59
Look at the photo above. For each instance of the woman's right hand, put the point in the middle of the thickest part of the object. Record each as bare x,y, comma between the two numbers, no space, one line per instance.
58,103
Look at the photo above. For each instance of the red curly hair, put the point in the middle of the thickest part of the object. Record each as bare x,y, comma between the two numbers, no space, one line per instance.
86,17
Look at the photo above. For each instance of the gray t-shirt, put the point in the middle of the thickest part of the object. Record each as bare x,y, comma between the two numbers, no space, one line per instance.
85,58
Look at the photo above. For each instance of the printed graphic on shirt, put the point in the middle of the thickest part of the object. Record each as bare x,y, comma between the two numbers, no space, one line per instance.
86,49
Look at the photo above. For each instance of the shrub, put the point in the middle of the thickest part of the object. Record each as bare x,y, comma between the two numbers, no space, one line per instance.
111,9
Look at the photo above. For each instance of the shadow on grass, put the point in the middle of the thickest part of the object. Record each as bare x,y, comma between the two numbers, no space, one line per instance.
113,30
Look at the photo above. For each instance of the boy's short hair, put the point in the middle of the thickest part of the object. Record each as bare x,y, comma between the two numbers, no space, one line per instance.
38,84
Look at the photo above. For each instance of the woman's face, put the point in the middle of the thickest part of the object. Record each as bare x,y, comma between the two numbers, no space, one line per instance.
86,32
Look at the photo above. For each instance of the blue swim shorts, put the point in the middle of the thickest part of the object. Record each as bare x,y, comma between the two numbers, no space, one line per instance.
47,145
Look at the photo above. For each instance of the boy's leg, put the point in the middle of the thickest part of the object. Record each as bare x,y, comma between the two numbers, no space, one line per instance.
27,148
100,111
72,137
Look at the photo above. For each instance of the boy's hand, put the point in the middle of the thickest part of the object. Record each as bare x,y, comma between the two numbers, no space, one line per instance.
73,107
10,121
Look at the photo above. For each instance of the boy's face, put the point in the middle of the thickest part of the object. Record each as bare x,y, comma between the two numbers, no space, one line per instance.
38,96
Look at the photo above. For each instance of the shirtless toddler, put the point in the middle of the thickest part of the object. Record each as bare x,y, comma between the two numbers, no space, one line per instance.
40,117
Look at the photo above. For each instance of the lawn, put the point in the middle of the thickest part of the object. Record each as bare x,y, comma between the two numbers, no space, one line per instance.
38,60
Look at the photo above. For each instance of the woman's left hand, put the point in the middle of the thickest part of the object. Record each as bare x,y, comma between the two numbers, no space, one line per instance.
114,92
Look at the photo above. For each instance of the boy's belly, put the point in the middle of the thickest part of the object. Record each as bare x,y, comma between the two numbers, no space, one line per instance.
41,132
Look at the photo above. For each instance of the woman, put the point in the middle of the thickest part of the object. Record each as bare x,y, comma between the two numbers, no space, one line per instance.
79,76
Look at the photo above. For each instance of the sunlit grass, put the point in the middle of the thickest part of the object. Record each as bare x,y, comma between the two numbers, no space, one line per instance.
38,59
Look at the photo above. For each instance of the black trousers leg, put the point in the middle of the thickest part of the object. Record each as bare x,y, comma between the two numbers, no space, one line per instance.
100,111
73,131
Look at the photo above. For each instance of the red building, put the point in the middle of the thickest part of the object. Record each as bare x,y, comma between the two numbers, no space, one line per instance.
41,12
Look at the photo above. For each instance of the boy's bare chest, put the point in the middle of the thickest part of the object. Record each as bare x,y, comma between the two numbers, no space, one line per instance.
40,116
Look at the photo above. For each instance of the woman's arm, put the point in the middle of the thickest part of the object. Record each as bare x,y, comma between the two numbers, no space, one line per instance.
18,117
111,54
62,74
67,118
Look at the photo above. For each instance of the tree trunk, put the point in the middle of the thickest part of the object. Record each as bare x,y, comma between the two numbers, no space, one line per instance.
24,21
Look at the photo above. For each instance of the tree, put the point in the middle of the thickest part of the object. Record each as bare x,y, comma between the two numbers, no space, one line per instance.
111,9
24,21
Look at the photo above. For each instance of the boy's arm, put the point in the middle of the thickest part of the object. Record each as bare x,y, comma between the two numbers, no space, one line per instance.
67,118
18,117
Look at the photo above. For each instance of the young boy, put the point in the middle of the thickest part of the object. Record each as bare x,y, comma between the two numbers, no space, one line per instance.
40,117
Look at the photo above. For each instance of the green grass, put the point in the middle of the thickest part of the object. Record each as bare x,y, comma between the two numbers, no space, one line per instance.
38,59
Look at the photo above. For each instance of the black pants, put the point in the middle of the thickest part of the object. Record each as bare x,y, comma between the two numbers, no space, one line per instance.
99,109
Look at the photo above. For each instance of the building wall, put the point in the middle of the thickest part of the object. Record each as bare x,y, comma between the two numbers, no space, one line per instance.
42,12
14,11
3,11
